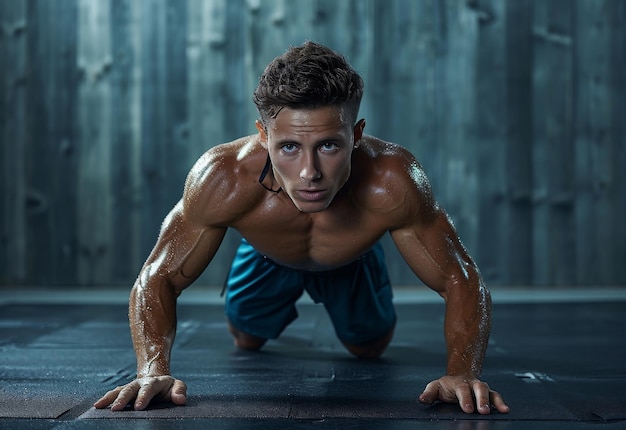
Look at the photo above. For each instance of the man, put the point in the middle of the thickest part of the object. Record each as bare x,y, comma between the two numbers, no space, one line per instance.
311,195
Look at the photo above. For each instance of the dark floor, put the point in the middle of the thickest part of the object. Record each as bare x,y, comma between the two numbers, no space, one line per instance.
558,365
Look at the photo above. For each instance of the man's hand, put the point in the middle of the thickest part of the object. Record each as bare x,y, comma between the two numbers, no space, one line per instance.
143,390
471,394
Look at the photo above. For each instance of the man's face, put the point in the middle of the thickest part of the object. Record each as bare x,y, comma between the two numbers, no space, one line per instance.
311,153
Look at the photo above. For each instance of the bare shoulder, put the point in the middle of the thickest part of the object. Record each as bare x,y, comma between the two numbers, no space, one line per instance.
218,187
391,180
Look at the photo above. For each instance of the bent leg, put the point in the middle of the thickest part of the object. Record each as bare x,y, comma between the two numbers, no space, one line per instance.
260,298
358,298
372,349
244,340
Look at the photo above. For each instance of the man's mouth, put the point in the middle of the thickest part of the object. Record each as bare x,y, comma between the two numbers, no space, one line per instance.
311,195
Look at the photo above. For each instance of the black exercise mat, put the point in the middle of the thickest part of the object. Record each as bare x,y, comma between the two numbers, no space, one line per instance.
552,363
318,386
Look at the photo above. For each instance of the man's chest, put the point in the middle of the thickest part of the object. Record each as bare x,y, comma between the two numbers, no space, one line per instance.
314,241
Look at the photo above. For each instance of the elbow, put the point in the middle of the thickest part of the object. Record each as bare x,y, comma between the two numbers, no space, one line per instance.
152,281
466,283
146,279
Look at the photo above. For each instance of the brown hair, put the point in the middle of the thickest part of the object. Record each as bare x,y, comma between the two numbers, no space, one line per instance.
308,76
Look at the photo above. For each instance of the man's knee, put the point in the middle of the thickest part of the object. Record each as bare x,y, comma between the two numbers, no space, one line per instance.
244,340
373,349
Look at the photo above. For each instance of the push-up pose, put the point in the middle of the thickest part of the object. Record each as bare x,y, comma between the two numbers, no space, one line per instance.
311,195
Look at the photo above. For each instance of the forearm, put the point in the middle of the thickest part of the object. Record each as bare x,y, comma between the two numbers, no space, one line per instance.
152,316
467,327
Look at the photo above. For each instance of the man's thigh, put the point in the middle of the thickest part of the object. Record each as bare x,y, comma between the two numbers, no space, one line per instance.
358,298
261,295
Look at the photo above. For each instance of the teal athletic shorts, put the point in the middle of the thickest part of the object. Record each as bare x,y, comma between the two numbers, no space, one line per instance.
261,295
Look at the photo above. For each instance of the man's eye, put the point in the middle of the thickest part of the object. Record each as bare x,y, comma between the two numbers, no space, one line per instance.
288,147
328,146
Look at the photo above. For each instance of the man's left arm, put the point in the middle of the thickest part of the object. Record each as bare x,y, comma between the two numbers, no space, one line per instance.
429,243
436,255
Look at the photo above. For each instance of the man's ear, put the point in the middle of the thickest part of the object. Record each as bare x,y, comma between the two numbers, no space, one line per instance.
262,132
358,132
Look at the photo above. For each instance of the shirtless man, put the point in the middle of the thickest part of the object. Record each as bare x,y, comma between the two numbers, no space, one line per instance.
311,195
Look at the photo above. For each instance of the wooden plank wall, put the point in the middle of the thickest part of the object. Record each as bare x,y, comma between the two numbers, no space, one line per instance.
515,109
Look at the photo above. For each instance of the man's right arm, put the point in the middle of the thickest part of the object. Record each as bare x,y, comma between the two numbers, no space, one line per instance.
185,247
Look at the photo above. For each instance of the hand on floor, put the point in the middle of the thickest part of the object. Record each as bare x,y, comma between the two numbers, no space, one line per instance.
471,394
142,391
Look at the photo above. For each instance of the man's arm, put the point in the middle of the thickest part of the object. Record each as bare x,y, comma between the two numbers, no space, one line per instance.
181,254
179,257
428,242
185,246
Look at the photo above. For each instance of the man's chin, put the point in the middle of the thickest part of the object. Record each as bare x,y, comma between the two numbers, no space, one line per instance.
311,207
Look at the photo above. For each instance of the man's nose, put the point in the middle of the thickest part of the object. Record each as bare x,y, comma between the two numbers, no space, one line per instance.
310,170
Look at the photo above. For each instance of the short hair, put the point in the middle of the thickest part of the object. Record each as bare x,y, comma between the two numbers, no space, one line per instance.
308,76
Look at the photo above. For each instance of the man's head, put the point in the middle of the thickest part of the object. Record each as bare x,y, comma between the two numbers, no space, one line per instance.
308,100
308,76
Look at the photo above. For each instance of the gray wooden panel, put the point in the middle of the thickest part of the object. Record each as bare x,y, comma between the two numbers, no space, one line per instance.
94,60
13,99
517,243
616,247
50,148
552,148
125,142
595,143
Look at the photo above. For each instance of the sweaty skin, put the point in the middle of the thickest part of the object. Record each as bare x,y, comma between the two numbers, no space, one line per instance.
341,191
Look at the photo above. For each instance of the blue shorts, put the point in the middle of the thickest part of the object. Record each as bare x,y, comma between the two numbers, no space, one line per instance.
261,295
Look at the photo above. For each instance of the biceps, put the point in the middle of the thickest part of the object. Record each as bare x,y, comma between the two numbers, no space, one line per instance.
183,250
435,253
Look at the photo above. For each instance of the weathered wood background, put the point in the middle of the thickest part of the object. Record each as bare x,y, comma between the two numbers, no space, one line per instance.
515,108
